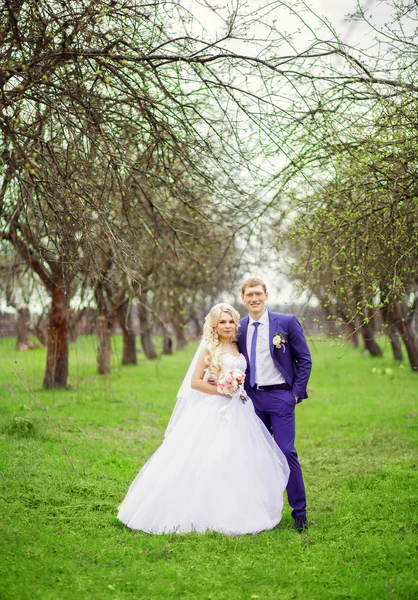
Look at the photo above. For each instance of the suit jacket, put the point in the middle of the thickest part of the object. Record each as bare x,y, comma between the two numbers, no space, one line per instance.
293,360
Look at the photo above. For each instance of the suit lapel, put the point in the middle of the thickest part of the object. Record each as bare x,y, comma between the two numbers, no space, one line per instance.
274,327
243,338
272,331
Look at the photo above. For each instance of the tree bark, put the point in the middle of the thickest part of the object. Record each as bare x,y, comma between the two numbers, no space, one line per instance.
392,334
40,329
167,344
129,338
73,324
145,333
367,326
367,331
181,340
330,318
197,323
57,345
104,328
178,326
351,334
23,326
395,342
148,346
397,314
104,348
129,348
350,326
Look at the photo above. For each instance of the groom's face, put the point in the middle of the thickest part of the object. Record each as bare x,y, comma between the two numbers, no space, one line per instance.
255,298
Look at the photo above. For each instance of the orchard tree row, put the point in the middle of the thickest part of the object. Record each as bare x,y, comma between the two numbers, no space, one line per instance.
353,203
143,155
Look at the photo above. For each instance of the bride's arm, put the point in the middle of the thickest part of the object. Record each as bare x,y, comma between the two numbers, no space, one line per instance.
197,382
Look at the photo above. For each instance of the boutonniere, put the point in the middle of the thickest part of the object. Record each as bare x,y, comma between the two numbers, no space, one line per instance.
279,340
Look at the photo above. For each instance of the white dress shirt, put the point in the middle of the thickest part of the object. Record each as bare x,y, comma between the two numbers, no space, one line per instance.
266,372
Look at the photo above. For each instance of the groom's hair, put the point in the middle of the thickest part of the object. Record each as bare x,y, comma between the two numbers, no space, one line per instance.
252,282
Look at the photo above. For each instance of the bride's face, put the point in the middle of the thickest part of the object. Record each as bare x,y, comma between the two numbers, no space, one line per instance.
225,326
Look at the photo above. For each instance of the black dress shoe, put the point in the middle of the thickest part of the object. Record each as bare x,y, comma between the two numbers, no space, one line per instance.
301,524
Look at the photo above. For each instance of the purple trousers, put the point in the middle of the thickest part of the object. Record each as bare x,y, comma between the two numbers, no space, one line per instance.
276,409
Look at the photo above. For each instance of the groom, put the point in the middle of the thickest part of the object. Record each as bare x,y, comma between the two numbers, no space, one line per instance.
279,365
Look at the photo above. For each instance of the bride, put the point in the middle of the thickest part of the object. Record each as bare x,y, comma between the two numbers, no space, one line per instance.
218,468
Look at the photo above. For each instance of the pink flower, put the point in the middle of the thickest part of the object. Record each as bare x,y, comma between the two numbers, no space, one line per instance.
229,382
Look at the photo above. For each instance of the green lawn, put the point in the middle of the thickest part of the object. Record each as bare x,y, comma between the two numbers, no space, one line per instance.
59,537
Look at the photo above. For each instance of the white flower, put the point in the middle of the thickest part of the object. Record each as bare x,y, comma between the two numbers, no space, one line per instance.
279,340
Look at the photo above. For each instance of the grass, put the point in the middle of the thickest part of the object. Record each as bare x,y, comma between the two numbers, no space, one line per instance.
59,535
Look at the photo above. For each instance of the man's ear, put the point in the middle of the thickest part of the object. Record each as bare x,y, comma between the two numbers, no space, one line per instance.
267,295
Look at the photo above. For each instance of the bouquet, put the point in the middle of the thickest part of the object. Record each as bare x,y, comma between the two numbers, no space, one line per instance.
230,382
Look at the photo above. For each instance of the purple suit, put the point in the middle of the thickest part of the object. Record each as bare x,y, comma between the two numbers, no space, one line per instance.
276,408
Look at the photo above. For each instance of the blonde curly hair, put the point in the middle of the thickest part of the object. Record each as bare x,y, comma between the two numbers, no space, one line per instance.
215,348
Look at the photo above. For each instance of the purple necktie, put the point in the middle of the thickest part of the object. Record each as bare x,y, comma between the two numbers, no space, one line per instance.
253,353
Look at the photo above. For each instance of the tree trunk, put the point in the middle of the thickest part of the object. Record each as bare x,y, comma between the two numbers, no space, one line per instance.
198,324
167,344
129,348
148,346
367,326
104,349
129,339
181,339
367,331
40,329
350,326
398,317
330,319
395,342
178,326
351,334
57,346
145,333
412,315
104,325
23,325
392,334
73,321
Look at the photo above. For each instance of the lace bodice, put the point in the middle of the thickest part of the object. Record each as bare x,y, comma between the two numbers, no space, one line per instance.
229,361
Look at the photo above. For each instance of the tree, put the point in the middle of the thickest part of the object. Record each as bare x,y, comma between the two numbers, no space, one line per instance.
17,290
94,92
362,230
352,192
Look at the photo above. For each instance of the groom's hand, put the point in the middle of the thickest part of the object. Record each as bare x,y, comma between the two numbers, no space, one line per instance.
296,399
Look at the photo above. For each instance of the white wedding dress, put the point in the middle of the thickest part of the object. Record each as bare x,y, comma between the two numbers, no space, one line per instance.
218,469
